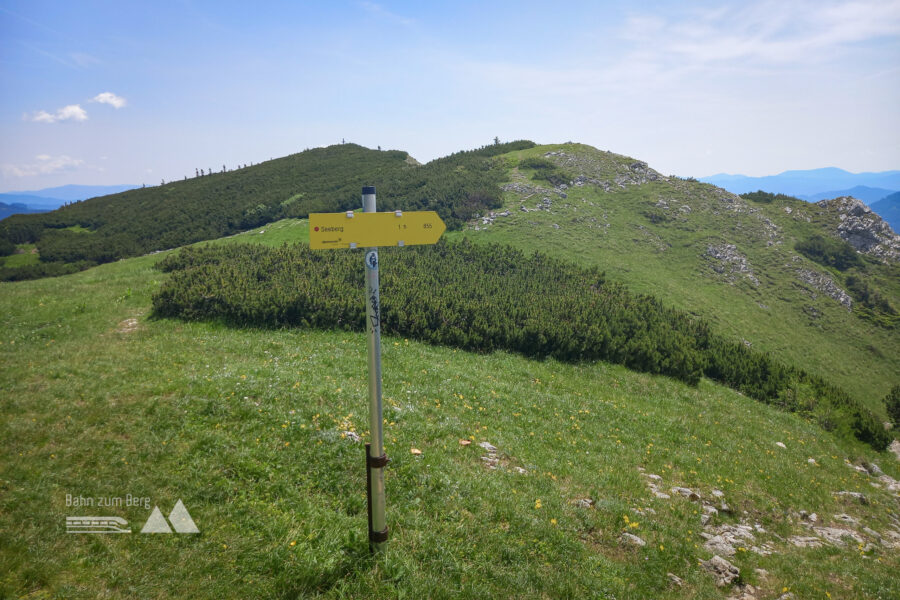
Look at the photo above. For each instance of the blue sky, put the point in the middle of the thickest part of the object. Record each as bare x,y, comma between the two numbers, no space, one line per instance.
137,92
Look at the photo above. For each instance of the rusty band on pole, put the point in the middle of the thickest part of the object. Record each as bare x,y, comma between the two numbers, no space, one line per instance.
374,462
377,462
378,537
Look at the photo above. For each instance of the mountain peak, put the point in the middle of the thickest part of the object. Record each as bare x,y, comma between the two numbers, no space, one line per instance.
863,229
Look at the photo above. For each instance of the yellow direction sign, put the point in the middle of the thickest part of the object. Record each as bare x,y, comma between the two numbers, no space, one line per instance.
369,229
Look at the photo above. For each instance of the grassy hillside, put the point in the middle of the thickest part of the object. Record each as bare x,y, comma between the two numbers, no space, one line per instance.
695,247
699,248
489,297
254,431
219,204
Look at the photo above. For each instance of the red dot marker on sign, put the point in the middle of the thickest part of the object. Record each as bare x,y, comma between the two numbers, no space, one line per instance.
317,229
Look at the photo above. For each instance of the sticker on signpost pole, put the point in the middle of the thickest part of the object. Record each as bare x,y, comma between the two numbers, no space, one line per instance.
372,260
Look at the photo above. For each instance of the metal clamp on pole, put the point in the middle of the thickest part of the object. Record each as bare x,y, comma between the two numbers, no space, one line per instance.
374,462
377,462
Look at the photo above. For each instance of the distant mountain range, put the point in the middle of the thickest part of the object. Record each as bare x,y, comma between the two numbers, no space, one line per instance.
889,210
17,208
31,202
814,185
807,183
861,192
52,198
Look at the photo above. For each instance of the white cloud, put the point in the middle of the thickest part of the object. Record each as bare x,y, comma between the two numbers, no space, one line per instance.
46,164
83,59
72,112
765,32
379,10
42,116
111,99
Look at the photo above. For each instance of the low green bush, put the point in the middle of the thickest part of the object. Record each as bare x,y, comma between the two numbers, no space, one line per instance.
491,297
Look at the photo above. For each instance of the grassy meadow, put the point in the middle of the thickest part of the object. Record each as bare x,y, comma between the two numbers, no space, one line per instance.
254,431
655,237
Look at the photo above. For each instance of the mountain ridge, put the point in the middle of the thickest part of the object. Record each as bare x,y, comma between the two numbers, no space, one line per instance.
889,209
865,193
73,192
694,246
712,253
805,182
16,208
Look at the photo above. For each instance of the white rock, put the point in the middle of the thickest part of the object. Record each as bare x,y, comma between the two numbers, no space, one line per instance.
846,519
686,492
719,545
744,592
780,445
890,483
723,571
632,540
895,448
872,533
854,495
836,536
805,542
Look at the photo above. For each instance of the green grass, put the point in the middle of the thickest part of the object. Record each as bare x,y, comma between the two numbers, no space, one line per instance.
245,427
78,229
614,230
25,257
294,231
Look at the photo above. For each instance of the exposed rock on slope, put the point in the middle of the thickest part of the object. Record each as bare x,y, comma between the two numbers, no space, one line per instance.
604,171
727,260
826,285
863,229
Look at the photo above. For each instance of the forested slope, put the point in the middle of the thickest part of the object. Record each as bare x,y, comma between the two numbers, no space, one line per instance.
219,204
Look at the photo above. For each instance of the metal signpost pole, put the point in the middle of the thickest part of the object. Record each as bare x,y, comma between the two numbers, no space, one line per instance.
375,456
332,231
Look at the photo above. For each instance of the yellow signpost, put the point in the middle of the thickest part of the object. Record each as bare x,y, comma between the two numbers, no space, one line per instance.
369,230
